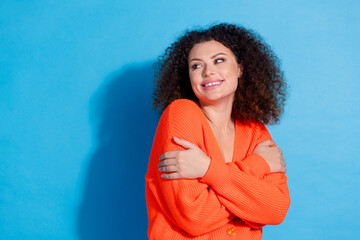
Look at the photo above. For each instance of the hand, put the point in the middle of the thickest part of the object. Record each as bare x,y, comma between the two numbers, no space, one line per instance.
272,155
190,163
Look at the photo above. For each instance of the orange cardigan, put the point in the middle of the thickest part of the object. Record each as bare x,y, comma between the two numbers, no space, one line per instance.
232,201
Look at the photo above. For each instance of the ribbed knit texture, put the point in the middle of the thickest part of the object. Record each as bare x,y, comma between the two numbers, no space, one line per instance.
232,201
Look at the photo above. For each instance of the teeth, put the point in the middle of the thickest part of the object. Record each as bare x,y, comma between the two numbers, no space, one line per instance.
212,84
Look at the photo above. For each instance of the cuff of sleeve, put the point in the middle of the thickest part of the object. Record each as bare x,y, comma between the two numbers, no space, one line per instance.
255,165
215,174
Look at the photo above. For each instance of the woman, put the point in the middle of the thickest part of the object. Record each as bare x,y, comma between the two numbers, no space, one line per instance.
214,171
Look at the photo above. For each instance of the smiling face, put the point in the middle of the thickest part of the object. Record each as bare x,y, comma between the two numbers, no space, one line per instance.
213,72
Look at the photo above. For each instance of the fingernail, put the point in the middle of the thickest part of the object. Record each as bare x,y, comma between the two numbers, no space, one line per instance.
175,138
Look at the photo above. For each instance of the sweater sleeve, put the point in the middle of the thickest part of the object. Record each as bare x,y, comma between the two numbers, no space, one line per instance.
249,190
187,203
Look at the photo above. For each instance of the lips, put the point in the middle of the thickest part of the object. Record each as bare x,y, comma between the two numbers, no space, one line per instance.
211,83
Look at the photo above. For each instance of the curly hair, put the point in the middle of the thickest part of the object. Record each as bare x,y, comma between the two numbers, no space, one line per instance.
261,92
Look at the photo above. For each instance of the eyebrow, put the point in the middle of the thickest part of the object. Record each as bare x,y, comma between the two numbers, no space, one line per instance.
198,59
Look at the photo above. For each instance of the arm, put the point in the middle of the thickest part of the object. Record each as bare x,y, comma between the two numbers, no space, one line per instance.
189,204
261,196
246,187
261,201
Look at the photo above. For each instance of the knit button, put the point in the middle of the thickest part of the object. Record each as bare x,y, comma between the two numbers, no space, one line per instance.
231,231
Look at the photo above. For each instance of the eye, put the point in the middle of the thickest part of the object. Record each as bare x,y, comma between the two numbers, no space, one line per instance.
219,60
195,66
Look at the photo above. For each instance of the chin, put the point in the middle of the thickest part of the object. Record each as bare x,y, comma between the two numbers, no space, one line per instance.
215,99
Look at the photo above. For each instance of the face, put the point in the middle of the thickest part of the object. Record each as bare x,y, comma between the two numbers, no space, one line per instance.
213,72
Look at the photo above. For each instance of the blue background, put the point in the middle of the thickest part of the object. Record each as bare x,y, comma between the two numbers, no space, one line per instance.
77,124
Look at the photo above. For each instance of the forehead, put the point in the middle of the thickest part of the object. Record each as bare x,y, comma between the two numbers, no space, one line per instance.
208,49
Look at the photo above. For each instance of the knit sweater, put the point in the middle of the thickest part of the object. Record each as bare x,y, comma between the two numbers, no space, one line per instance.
231,201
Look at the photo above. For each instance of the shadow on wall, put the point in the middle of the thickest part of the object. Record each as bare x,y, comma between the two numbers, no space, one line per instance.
113,205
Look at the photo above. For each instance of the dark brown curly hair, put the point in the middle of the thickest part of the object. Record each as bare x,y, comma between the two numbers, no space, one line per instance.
261,92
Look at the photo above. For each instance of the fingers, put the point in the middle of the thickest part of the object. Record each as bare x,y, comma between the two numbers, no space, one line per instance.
172,168
171,176
167,155
185,144
281,170
167,162
267,143
173,154
281,152
168,165
283,161
283,164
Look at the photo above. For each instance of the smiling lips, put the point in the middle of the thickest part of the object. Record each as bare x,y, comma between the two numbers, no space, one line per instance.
211,84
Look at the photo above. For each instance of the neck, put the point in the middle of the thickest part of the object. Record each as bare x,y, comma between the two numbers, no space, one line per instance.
219,115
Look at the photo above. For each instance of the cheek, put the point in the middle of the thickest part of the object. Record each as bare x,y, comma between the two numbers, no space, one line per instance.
192,81
233,74
194,78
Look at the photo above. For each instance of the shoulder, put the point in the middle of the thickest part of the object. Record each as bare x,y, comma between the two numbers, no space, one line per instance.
182,113
257,130
262,132
252,133
183,109
183,106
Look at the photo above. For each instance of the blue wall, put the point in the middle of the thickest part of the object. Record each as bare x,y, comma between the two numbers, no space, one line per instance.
76,122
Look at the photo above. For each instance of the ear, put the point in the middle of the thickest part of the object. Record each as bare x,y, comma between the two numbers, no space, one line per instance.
240,70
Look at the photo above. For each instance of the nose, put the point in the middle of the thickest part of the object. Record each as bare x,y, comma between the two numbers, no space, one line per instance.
208,70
